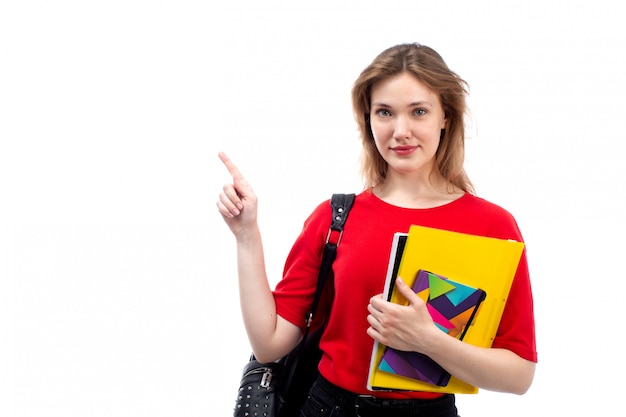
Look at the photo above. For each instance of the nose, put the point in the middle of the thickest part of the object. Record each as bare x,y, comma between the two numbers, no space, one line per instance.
402,128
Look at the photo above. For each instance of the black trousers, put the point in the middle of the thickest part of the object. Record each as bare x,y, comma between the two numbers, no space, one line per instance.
326,400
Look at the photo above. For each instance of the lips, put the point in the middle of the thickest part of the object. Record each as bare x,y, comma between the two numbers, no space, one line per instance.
404,150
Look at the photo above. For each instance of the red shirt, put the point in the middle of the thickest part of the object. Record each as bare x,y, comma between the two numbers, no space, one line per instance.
360,271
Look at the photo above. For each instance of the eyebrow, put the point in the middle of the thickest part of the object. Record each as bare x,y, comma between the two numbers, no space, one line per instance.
413,104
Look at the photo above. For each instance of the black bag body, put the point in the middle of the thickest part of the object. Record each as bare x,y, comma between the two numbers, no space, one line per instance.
302,364
279,389
264,390
258,390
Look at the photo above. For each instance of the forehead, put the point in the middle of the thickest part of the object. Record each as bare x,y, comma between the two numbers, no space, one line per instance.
402,87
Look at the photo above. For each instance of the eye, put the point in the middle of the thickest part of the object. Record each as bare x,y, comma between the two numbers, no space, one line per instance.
383,113
419,112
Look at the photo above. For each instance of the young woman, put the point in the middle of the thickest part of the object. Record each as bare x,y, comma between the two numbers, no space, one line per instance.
410,109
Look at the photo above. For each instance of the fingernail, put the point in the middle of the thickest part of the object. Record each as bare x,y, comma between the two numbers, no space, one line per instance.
240,206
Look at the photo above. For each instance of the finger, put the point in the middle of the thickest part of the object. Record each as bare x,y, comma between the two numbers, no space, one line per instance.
375,308
224,211
227,207
371,309
231,197
406,291
242,187
230,166
377,301
374,322
229,201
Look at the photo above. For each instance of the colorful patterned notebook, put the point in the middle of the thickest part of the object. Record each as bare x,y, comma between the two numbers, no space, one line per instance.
452,306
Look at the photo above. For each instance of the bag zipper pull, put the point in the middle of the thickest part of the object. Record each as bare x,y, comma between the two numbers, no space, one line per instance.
266,378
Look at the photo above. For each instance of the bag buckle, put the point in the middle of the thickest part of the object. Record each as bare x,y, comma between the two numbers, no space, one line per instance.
334,236
358,399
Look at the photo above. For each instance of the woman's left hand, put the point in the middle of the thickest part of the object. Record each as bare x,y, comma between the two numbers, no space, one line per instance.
401,327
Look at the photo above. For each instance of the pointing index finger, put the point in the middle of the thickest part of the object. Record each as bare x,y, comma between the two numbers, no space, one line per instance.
230,166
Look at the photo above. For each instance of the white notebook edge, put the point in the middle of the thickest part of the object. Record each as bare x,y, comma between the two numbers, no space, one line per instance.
399,240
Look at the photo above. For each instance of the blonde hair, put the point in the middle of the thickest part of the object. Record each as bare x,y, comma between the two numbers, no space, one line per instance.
428,67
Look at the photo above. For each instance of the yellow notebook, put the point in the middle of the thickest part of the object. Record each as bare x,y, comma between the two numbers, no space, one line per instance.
475,262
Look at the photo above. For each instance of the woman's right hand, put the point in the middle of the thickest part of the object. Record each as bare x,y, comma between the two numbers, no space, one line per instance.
237,202
270,335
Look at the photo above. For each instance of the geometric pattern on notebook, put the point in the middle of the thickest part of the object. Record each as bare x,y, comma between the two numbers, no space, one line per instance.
453,307
449,303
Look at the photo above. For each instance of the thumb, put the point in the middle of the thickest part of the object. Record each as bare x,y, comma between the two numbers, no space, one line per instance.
406,291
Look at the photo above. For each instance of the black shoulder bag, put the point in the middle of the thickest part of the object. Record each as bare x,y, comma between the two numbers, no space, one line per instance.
279,389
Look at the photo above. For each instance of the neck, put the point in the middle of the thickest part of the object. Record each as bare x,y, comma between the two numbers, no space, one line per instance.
410,192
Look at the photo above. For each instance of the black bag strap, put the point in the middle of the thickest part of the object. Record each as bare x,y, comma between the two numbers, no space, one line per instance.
341,205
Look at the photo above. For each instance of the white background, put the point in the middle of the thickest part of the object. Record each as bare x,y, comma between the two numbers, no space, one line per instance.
118,292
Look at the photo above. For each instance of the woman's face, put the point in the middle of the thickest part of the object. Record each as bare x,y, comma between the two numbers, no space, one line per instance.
406,119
